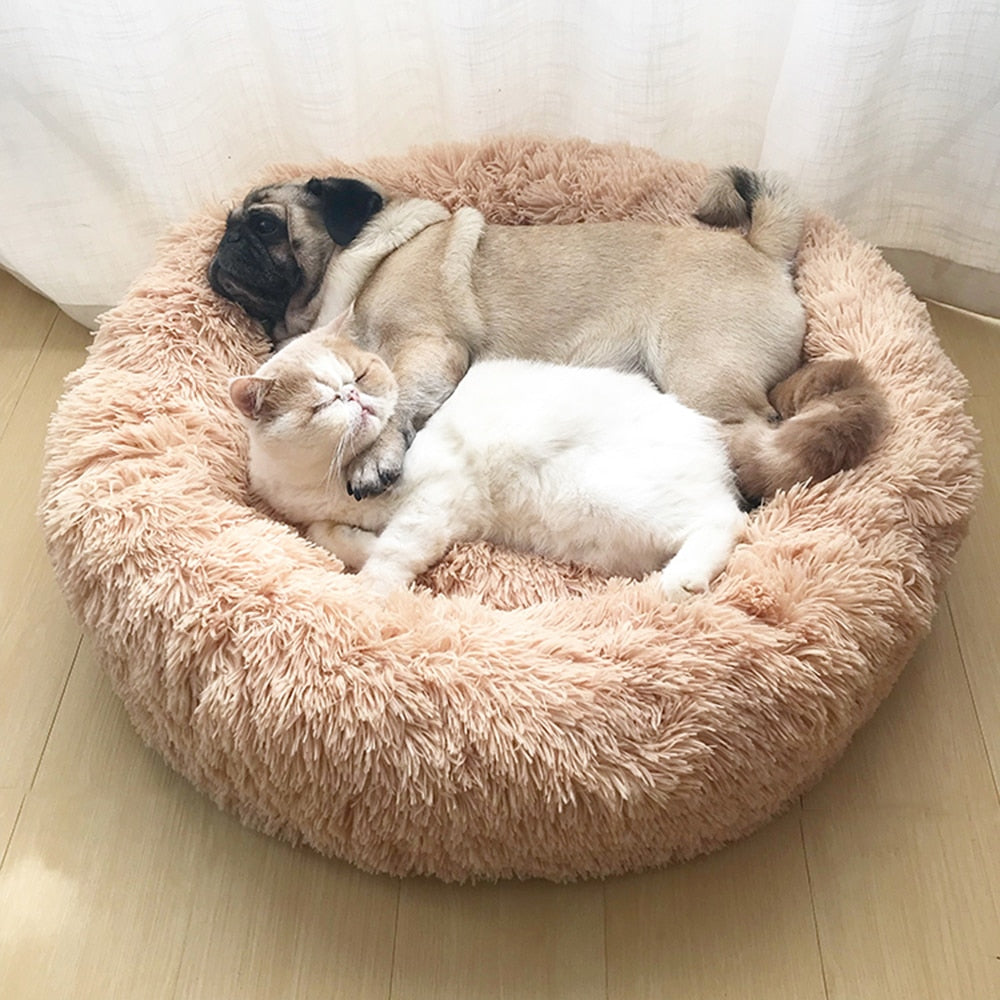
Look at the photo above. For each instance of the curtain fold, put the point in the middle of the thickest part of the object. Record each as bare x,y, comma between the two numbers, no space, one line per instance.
121,119
888,114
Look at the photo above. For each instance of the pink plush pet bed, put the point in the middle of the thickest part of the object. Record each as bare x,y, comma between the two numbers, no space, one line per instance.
509,717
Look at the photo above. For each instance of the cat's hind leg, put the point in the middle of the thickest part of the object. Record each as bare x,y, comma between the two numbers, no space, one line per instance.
352,546
702,557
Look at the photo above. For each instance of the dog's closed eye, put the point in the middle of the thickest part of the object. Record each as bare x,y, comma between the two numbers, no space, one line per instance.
265,225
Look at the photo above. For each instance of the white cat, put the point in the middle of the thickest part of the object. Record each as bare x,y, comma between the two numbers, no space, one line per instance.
581,465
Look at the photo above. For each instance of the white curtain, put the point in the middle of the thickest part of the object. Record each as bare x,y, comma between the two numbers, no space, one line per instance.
119,119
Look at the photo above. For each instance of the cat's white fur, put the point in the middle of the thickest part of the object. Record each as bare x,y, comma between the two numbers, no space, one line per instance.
582,465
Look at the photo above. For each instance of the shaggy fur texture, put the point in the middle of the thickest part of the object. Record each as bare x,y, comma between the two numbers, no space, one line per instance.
840,415
517,718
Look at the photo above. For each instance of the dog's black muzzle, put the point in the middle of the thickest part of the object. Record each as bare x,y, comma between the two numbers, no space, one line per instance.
243,271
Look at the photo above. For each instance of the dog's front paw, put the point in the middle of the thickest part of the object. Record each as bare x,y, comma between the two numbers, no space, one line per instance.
377,468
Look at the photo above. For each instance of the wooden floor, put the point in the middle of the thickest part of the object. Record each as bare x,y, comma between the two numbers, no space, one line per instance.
118,879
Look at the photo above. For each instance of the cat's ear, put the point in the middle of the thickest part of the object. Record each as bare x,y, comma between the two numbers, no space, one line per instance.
248,393
340,326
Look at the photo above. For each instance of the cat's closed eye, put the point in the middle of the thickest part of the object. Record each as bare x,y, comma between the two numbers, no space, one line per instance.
328,395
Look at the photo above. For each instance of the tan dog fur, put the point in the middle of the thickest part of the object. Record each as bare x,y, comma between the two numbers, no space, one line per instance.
709,314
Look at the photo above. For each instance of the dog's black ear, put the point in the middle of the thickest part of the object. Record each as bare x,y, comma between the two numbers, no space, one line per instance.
347,205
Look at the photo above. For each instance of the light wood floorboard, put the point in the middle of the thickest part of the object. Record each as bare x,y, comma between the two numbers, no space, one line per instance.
514,939
119,880
973,343
925,749
10,803
974,589
93,744
738,923
38,637
299,926
906,903
25,319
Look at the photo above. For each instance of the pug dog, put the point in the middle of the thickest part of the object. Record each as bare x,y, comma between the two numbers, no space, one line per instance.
709,313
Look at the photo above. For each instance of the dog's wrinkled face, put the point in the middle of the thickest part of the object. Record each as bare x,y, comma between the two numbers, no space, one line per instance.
278,243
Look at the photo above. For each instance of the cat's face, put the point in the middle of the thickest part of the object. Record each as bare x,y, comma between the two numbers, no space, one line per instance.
321,392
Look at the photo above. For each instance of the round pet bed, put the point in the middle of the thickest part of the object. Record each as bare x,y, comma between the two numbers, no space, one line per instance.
509,717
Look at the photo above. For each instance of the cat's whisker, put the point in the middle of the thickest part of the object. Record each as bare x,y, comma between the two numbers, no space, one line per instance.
336,466
332,474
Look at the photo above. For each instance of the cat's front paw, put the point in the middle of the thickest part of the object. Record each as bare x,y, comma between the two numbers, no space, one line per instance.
378,467
351,545
382,578
682,586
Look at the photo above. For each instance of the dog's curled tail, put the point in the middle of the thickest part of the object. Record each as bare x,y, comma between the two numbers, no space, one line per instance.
761,204
831,416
